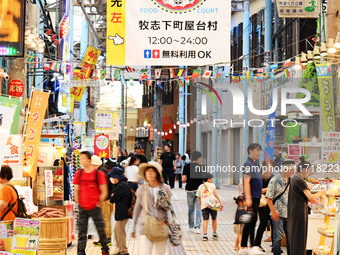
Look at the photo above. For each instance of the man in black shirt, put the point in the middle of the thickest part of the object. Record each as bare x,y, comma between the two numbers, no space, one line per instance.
191,188
142,158
168,160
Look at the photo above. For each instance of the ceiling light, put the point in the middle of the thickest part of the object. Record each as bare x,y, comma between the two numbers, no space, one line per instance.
303,58
297,65
316,52
337,41
331,48
323,49
310,56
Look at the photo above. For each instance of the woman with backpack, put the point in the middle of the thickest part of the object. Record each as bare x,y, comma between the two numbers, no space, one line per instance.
8,195
122,197
151,223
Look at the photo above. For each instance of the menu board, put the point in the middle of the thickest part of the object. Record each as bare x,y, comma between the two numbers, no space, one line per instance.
26,236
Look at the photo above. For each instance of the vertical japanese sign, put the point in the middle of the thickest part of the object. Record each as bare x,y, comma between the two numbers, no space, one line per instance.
88,63
164,32
326,97
36,117
309,81
48,183
12,151
102,146
294,152
26,236
330,147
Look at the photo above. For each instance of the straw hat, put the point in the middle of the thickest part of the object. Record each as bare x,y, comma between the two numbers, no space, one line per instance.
152,164
96,161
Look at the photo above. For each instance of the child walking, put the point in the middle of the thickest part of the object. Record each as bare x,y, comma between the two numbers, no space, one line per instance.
204,193
238,227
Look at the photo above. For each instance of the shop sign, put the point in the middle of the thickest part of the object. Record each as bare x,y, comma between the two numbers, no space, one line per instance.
6,236
102,146
16,88
49,183
330,147
142,132
26,236
12,152
298,8
166,32
104,120
294,152
159,151
326,97
39,102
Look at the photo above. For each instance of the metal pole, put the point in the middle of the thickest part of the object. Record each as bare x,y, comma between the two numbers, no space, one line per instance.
246,24
199,115
88,19
83,46
181,118
155,116
214,132
186,116
125,116
122,114
276,19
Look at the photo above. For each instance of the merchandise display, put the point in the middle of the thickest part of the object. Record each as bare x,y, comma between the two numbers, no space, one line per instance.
322,250
327,230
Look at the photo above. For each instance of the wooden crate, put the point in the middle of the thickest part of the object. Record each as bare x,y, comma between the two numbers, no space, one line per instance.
53,236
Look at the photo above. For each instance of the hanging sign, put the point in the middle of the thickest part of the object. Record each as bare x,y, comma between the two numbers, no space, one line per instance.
297,9
326,97
166,32
102,146
330,147
16,88
12,152
36,117
49,183
7,120
104,120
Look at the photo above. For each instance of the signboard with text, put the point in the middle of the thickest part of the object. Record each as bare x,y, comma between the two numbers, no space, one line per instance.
166,32
297,8
102,146
330,147
104,120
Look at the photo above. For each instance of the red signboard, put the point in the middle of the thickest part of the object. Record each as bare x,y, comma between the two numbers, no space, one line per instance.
102,146
16,88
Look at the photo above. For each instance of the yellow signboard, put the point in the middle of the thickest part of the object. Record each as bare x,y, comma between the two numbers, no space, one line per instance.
88,63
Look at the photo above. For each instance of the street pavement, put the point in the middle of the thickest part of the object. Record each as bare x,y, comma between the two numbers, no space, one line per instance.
192,243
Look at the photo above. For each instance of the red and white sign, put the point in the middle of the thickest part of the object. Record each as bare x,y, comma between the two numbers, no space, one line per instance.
102,146
49,183
12,151
294,150
16,88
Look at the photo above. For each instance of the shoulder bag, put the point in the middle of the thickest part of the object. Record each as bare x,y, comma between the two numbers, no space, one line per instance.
275,199
154,229
212,202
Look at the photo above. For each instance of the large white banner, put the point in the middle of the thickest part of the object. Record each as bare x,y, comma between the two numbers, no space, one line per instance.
168,32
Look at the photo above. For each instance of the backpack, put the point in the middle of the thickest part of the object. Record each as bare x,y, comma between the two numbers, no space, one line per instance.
22,211
133,201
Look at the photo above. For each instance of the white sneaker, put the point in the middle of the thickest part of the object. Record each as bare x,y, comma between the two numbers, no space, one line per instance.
256,250
243,252
191,230
197,231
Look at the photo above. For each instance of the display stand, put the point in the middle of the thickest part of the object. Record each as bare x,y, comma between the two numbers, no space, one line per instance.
326,222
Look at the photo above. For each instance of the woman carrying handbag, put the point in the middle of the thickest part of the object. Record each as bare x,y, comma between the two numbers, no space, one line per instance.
150,222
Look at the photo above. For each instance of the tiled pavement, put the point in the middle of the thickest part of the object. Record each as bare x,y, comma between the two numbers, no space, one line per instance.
192,243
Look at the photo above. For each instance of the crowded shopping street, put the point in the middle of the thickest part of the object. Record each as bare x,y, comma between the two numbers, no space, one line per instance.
169,127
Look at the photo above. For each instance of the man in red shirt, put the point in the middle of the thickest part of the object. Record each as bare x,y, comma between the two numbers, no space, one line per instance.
90,192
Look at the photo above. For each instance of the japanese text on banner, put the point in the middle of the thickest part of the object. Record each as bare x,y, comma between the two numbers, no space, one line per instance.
36,117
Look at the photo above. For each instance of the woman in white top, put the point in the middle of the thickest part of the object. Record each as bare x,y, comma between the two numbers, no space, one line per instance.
131,172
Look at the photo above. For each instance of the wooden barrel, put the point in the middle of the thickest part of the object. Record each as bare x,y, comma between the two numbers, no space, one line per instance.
53,236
